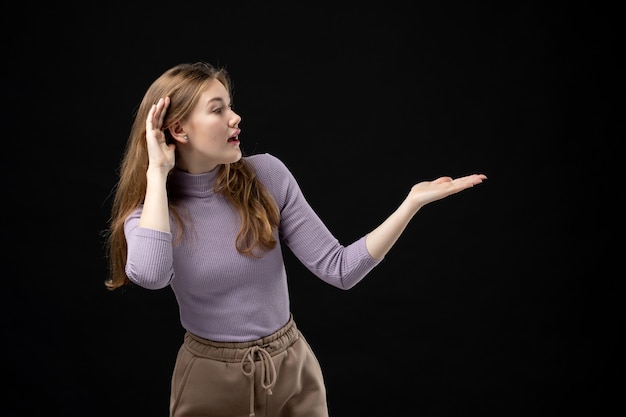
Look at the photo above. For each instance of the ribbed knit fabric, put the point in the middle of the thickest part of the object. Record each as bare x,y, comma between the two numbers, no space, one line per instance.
226,296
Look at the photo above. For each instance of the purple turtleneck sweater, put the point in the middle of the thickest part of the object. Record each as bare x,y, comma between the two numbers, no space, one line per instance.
223,295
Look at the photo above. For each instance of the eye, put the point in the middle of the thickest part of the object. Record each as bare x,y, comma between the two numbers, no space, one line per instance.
219,110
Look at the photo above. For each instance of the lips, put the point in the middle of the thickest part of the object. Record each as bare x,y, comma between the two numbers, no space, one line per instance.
235,136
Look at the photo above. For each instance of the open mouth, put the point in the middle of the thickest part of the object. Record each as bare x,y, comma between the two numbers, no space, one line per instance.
235,136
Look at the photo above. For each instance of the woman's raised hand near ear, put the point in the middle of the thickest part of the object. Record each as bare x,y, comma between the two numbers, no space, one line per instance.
160,153
155,214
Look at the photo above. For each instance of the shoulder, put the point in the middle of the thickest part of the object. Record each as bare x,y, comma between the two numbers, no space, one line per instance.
266,164
275,175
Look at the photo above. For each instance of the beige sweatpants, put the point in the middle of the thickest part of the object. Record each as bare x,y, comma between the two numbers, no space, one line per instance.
276,376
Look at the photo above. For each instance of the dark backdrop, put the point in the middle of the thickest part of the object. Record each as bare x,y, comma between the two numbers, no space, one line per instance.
496,301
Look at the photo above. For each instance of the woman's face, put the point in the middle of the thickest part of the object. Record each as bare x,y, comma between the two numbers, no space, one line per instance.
213,132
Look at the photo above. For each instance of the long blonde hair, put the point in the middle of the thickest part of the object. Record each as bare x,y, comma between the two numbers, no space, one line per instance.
238,182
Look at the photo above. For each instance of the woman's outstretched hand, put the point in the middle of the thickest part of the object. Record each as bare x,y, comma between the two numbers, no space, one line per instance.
380,240
160,154
426,192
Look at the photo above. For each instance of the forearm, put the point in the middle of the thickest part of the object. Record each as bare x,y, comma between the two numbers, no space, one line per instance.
155,214
380,240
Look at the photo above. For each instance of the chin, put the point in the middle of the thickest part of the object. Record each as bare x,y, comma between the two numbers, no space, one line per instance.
237,157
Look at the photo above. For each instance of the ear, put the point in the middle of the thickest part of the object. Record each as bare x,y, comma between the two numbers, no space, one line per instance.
178,133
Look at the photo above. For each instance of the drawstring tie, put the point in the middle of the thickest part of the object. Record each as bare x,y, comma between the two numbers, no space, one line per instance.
268,371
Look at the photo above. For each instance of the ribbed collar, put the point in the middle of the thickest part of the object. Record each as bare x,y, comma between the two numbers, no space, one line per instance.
193,185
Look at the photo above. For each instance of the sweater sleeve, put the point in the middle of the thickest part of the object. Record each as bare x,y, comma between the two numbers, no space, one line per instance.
149,262
308,238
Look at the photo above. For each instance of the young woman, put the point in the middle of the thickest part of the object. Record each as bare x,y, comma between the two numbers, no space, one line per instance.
190,211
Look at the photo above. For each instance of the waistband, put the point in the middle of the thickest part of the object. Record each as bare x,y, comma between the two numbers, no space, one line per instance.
273,344
248,353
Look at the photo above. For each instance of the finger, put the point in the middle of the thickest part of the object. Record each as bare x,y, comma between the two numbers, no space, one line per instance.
150,117
156,118
161,110
477,178
470,180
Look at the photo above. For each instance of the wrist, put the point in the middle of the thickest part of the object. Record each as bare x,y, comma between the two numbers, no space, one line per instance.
157,173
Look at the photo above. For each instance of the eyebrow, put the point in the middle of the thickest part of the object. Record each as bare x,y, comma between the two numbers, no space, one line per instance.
214,99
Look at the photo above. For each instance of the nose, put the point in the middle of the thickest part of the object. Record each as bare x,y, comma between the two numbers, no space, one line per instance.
235,119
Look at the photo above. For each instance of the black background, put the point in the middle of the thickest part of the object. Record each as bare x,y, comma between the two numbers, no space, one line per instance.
501,300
